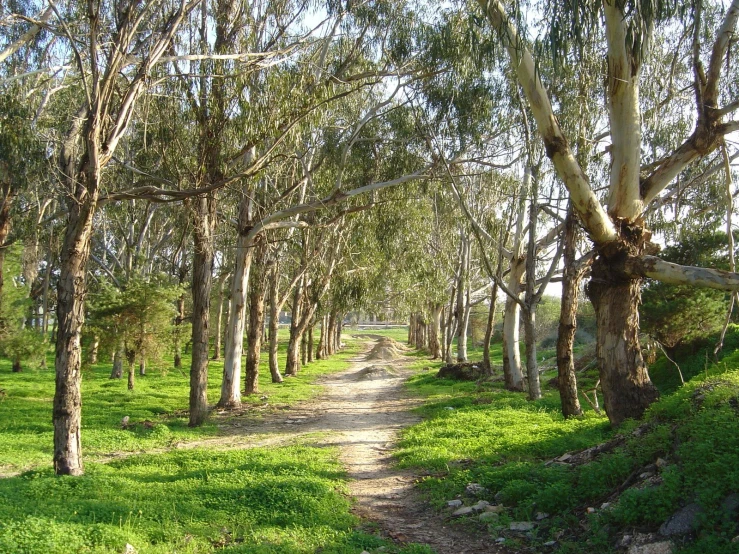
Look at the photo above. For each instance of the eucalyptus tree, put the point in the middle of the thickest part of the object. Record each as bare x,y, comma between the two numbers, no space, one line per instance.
114,49
624,252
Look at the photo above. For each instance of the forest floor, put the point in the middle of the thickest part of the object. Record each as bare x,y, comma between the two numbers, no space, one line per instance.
361,411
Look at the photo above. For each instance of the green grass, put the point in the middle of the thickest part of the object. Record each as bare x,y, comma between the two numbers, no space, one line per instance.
265,500
282,500
160,397
481,433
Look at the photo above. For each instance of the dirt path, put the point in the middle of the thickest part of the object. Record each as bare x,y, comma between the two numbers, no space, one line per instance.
362,412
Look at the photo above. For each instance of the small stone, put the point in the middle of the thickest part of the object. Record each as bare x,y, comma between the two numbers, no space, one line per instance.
448,408
735,539
364,552
487,517
681,522
454,503
521,526
129,549
475,488
500,540
550,543
480,506
124,425
541,515
498,497
591,510
498,509
564,457
662,547
463,512
625,540
660,463
605,505
646,475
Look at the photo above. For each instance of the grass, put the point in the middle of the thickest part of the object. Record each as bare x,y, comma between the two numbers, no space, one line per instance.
281,500
287,500
160,397
483,434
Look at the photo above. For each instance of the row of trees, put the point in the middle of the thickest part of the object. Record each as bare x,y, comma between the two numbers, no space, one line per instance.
322,156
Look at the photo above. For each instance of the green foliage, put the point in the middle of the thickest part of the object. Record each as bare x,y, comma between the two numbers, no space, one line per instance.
139,316
680,314
17,342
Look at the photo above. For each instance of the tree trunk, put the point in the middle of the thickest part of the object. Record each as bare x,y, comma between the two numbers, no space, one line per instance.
303,350
566,378
71,290
292,363
412,330
17,368
511,327
131,359
117,371
627,390
142,366
94,347
339,325
274,327
321,351
177,332
530,300
256,320
330,343
310,342
219,319
202,282
230,386
489,328
434,329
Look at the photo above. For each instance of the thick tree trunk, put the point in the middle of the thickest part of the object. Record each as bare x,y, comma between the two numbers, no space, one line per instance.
17,367
566,378
511,327
303,350
627,390
71,290
202,282
230,386
256,320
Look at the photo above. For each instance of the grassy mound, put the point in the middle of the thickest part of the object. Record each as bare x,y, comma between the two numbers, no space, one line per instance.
685,451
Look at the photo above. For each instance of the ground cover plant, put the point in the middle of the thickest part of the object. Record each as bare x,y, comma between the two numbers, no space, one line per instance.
480,433
281,500
156,408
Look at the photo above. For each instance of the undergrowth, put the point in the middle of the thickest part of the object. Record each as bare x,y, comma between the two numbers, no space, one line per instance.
481,433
